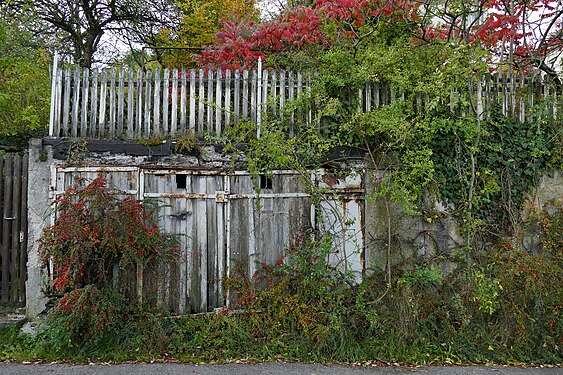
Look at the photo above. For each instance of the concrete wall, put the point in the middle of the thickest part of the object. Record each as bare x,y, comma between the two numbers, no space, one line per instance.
39,202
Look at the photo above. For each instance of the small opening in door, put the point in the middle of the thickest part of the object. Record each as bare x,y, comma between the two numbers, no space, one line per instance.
265,182
181,181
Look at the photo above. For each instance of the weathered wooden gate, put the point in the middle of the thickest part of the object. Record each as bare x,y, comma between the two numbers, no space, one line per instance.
13,229
220,219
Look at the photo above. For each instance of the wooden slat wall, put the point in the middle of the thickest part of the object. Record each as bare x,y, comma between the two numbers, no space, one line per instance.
13,229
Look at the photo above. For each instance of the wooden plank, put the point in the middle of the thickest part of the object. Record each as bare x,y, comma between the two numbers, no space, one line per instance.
282,93
183,102
6,229
264,101
201,247
148,101
212,244
112,103
156,104
290,97
299,94
218,102
228,91
139,104
23,228
75,102
220,209
274,92
66,102
102,113
120,102
201,98
93,104
165,101
253,89
236,97
16,223
174,109
192,101
130,105
57,105
209,127
245,97
84,106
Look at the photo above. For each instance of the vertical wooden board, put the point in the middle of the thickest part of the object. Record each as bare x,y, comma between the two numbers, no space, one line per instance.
253,93
130,105
6,229
183,102
282,93
274,92
200,186
23,228
148,101
238,261
174,109
139,104
188,255
227,94
84,105
58,102
236,97
192,101
165,101
178,227
112,104
218,102
209,127
66,102
156,104
75,102
94,104
102,113
120,102
201,99
212,246
291,97
16,223
245,97
264,100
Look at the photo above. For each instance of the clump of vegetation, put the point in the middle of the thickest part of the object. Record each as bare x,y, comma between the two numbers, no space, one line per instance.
95,247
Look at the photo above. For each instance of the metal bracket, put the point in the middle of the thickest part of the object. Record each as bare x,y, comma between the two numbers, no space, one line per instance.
222,196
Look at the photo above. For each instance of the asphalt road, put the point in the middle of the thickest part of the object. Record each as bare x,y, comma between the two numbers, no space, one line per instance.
264,368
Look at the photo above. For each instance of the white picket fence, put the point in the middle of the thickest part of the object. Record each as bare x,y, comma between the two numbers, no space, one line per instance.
123,103
167,103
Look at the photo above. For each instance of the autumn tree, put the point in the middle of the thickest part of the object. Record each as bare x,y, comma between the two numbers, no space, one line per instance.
201,20
84,24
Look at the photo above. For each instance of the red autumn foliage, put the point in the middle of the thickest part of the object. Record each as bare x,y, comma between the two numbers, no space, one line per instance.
532,27
95,231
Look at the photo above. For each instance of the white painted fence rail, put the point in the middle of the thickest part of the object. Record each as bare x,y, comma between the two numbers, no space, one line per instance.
167,103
